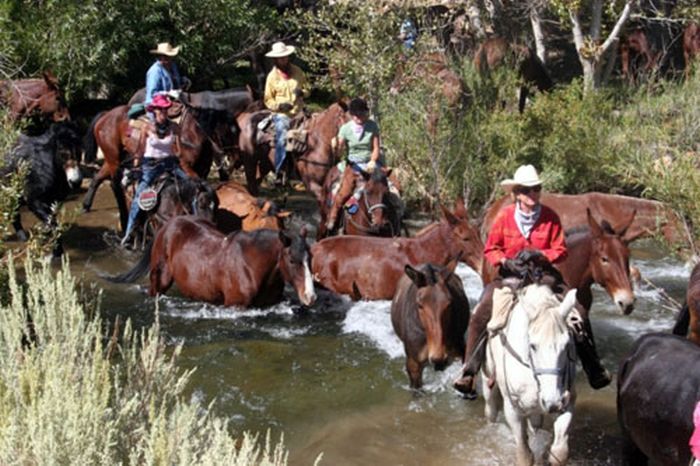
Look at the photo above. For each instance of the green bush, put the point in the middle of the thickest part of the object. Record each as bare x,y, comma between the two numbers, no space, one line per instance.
71,395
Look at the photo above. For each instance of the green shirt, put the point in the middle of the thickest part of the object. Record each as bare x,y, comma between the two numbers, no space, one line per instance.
359,148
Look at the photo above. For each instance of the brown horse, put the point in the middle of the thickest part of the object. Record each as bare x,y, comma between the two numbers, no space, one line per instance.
430,314
112,133
496,51
689,317
370,268
26,97
596,253
238,210
636,55
433,71
312,165
691,46
652,217
375,212
241,269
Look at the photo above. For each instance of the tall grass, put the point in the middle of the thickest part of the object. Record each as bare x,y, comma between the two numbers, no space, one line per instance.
69,394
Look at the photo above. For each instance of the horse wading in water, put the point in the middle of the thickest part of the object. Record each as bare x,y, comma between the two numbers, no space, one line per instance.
239,269
430,314
533,362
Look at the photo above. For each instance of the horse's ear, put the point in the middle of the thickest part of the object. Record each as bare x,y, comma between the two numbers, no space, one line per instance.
596,229
286,240
460,208
622,229
388,172
343,103
451,264
568,303
449,216
416,276
365,176
50,79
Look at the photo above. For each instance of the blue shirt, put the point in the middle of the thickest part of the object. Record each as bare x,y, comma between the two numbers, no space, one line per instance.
158,79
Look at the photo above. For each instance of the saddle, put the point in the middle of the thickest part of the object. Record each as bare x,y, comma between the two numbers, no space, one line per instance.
297,134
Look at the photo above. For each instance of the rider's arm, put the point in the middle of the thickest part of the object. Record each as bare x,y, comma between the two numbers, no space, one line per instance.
152,79
177,149
269,96
494,250
375,149
142,143
556,252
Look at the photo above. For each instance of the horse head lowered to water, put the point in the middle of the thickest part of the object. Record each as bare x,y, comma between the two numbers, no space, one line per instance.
533,363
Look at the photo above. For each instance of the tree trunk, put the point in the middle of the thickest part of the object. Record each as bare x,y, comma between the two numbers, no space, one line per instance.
536,21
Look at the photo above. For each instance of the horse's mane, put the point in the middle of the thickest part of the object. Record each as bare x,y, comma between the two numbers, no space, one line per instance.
427,229
543,305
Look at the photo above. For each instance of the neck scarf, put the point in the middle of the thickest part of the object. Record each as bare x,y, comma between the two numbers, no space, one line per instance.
525,221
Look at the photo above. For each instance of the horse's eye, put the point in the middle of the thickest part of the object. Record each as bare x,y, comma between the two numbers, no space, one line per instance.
605,260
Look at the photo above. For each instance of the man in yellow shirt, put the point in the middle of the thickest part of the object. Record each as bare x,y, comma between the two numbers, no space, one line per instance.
285,89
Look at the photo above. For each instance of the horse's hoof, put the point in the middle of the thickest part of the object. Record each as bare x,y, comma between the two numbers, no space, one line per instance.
300,310
600,380
465,386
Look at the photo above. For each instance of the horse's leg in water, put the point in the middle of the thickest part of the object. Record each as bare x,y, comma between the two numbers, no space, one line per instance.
518,428
97,180
22,234
414,369
631,454
559,451
598,376
45,213
492,397
121,201
160,276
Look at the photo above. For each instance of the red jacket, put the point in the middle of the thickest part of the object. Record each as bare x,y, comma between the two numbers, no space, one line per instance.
505,239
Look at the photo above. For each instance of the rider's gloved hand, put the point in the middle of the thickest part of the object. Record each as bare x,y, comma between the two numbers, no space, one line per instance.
174,94
530,255
510,267
371,166
285,107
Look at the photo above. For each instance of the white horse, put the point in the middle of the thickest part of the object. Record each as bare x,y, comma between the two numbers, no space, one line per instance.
533,362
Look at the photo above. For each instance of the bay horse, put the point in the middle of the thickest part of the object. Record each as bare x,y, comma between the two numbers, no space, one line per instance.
636,55
496,51
371,267
652,217
533,361
312,165
376,206
240,269
111,132
27,97
430,315
658,385
691,46
239,210
689,317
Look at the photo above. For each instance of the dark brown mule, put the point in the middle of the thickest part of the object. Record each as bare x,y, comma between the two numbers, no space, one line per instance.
691,45
370,268
433,71
238,210
241,269
637,56
689,318
110,131
652,217
496,51
375,213
430,314
658,386
26,97
312,166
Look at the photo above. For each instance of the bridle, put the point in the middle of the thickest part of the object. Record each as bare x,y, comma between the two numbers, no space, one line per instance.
368,214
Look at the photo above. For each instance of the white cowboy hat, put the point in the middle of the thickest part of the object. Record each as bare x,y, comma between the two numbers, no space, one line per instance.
525,175
280,49
164,48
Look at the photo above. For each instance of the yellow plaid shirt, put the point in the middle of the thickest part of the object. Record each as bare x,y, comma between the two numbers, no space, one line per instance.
279,90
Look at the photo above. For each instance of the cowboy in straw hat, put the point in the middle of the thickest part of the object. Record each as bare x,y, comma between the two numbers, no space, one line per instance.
524,231
163,75
285,89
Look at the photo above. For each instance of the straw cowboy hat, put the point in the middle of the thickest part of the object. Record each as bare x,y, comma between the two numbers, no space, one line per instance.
280,49
525,175
164,48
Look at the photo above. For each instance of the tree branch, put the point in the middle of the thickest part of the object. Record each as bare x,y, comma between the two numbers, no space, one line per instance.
626,12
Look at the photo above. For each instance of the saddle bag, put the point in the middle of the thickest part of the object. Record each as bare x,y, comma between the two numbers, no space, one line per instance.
296,140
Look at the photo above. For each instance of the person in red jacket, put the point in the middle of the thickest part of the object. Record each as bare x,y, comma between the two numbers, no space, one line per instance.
522,232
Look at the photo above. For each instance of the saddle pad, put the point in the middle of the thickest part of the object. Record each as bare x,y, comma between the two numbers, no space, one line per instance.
503,301
148,199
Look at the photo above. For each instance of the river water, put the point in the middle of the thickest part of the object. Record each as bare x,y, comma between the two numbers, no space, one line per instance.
332,379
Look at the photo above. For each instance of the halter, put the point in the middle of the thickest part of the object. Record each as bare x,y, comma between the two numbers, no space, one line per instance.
369,209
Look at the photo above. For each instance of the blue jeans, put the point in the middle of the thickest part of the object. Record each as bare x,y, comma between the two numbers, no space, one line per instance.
281,128
151,170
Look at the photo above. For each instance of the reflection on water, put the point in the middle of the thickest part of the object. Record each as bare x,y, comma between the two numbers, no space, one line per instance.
332,378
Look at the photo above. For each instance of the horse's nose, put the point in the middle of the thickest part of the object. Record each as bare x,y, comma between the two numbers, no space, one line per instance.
439,363
624,301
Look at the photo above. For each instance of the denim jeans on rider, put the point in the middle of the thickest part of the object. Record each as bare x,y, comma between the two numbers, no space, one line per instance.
151,170
281,128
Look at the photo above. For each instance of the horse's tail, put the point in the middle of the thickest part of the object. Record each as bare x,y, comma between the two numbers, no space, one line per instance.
138,271
89,142
682,322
